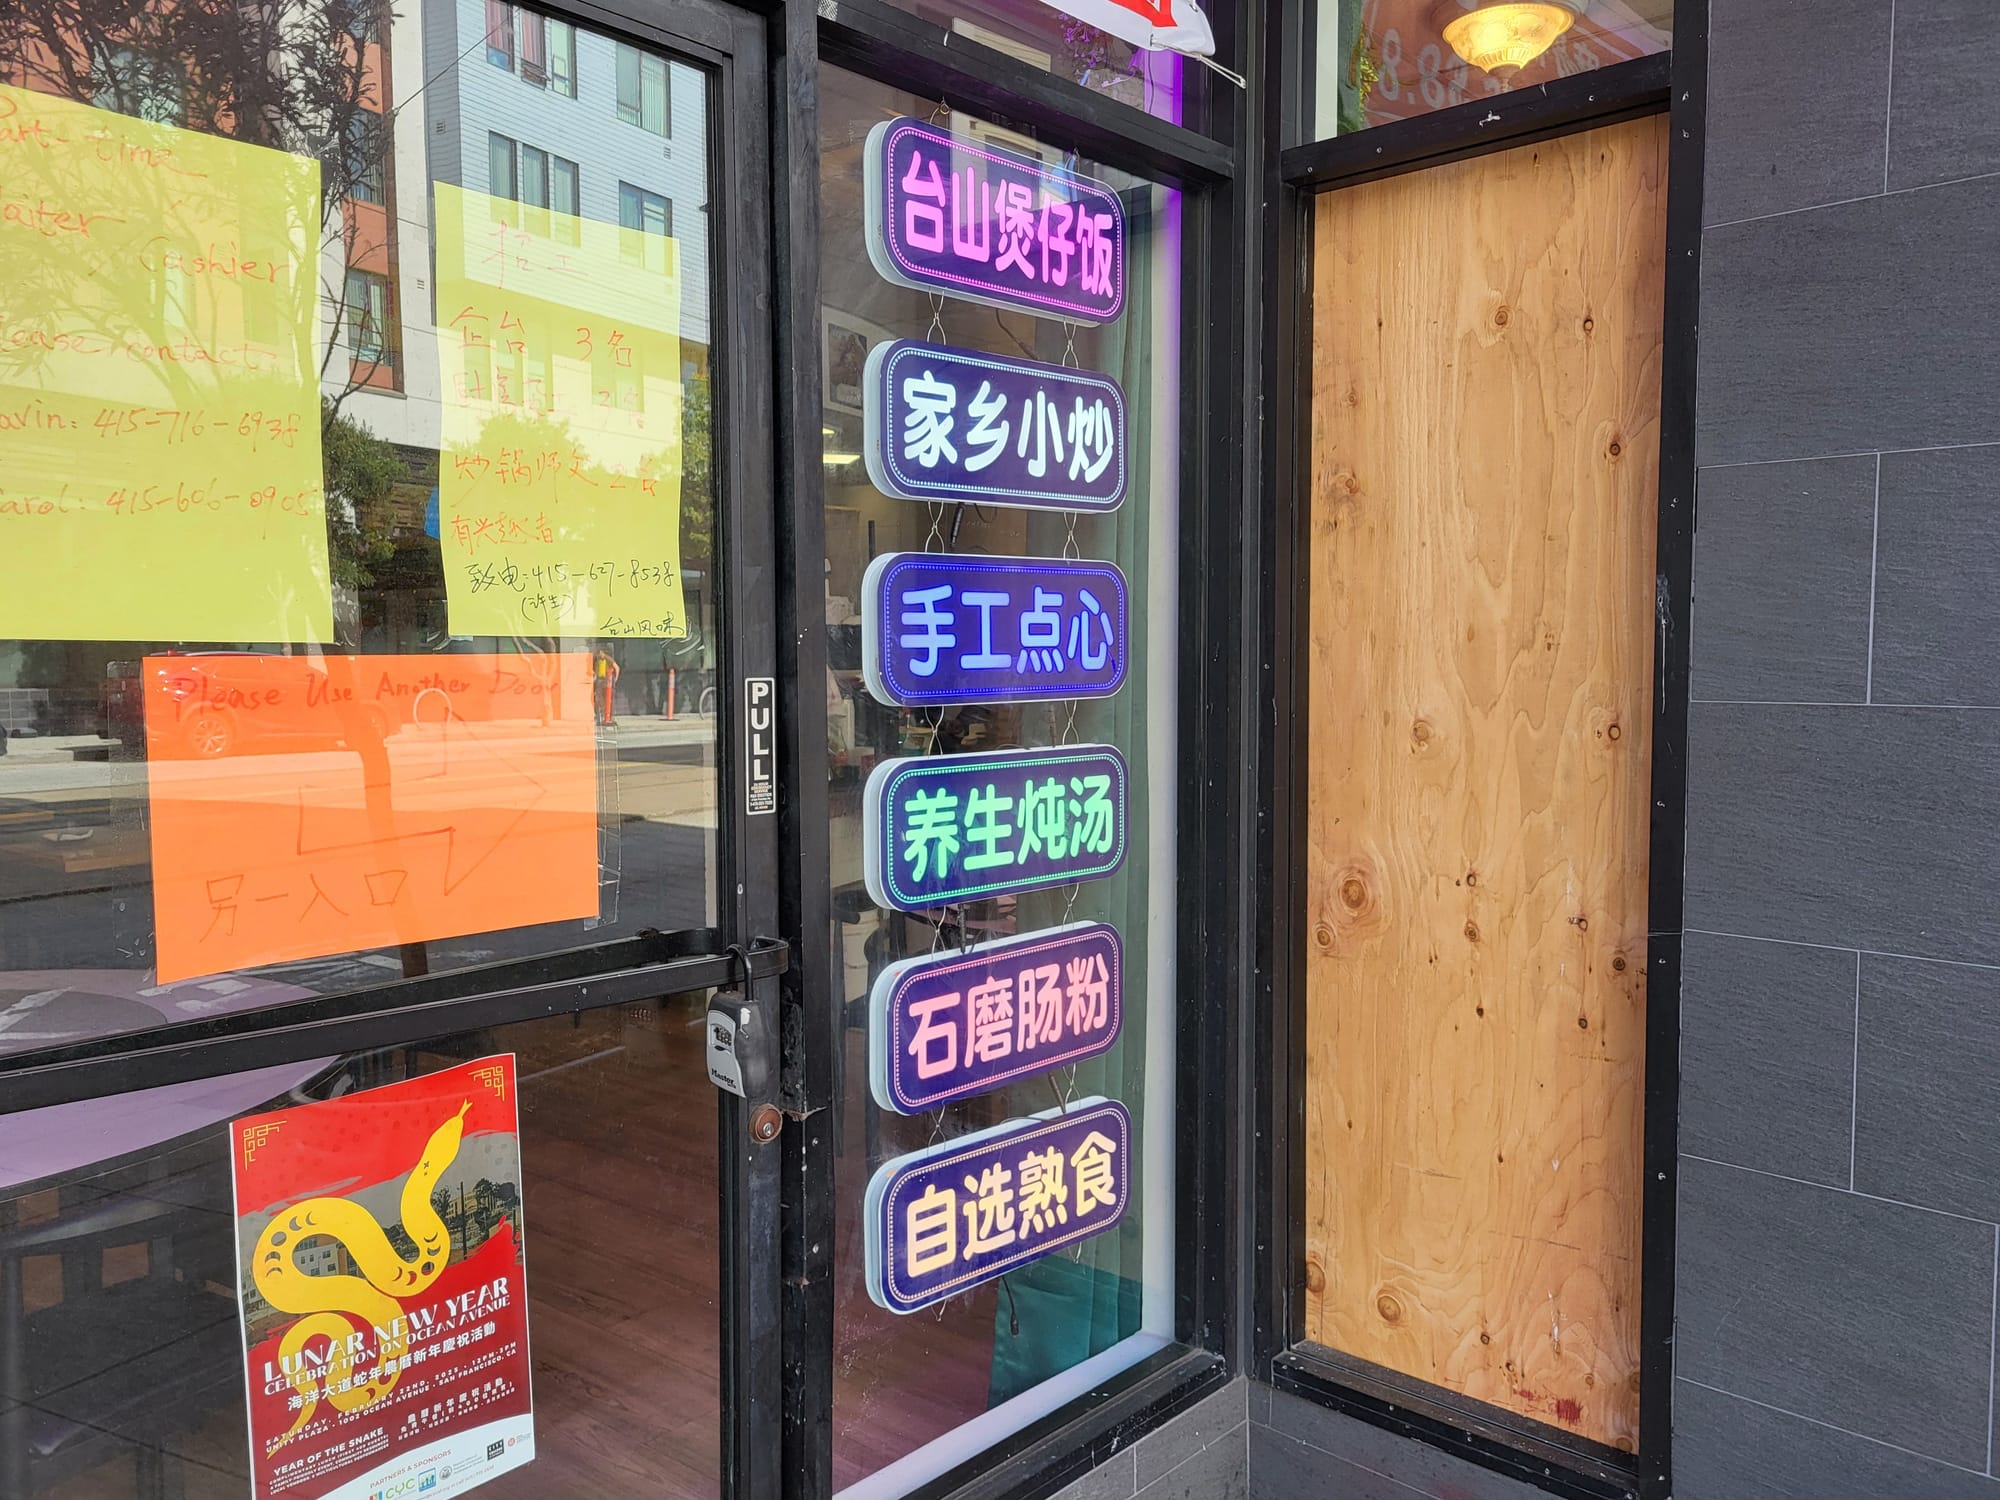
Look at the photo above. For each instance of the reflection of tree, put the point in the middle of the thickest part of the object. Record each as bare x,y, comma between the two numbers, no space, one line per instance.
697,471
361,471
288,74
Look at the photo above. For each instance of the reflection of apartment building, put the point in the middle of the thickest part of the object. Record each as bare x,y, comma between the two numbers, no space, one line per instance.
526,107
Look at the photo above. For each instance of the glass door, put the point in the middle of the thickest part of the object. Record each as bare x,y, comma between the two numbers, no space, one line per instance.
386,879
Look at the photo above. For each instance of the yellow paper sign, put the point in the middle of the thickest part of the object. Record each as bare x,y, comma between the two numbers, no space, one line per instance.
159,413
559,489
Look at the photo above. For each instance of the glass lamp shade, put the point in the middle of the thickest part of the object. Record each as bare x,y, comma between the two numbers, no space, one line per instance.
1504,36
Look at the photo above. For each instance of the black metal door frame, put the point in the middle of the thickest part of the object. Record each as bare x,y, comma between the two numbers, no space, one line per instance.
757,889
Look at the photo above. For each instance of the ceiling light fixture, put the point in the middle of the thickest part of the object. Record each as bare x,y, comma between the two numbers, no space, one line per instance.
1502,37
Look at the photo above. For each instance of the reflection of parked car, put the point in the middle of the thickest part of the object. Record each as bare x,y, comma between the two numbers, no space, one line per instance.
217,703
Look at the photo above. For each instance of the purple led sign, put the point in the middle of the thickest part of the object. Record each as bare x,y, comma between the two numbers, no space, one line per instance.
987,225
953,1025
957,424
943,1220
945,628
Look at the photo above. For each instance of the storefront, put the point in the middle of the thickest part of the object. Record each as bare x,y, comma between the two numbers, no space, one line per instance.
875,749
597,725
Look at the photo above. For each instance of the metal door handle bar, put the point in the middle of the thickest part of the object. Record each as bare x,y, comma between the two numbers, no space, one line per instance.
648,967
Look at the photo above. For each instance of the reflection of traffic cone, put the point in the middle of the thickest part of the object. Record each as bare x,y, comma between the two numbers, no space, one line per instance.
670,693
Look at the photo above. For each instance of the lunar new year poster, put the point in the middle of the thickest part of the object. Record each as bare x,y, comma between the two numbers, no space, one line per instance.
383,1284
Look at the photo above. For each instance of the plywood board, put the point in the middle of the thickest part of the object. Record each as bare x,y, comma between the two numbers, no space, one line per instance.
1486,355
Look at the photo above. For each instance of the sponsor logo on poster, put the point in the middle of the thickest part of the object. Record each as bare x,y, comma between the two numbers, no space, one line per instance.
383,1287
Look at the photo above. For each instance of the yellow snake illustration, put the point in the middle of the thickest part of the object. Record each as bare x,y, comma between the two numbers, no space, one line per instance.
373,1303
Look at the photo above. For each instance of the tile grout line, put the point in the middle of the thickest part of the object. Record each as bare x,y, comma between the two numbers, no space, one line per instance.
1808,208
1992,1348
1874,554
1914,958
1889,100
1786,1411
1854,1079
1929,708
1821,458
1834,1187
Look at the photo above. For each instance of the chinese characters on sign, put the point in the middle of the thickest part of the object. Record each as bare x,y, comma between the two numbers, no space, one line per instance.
938,830
159,387
559,489
373,1369
971,221
941,1221
940,629
306,805
953,1025
952,424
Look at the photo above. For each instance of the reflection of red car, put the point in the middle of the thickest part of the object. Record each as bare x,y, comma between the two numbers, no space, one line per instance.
220,703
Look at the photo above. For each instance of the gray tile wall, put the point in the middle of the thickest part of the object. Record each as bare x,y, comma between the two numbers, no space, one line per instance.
1840,1010
1202,1454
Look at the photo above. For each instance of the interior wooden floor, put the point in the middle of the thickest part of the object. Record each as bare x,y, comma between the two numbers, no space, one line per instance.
618,1142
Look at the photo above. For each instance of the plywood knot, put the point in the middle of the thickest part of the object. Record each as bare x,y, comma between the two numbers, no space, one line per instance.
1421,732
1315,1276
1500,315
1472,936
1354,893
1390,1309
1323,935
1618,963
1616,448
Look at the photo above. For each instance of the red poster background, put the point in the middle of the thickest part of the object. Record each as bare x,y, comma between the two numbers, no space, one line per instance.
463,1344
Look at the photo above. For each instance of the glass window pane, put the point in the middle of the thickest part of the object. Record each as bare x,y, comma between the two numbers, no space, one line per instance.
628,84
304,562
131,1279
1377,61
567,196
653,88
500,33
535,176
531,35
500,166
562,58
926,1392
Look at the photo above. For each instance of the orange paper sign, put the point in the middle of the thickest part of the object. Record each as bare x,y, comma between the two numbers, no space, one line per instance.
309,805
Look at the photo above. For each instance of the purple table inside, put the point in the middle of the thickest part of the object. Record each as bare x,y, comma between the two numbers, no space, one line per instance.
45,1008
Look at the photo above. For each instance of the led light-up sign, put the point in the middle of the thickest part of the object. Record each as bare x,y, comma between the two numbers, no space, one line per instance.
987,225
954,424
943,1220
942,628
949,828
953,1025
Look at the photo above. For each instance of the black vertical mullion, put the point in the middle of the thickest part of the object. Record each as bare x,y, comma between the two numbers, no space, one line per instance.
814,1001
1674,582
744,380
